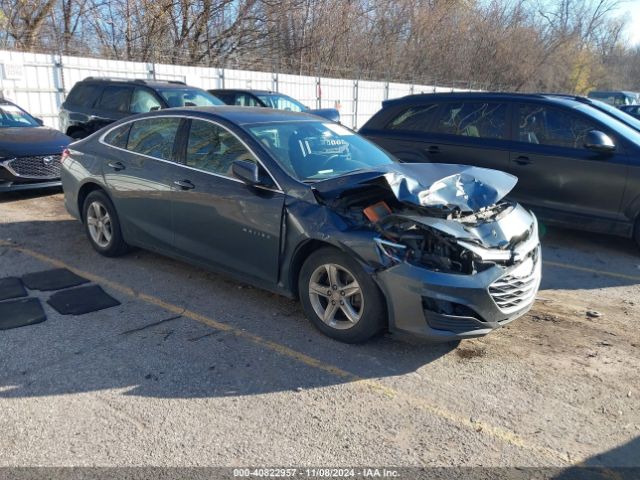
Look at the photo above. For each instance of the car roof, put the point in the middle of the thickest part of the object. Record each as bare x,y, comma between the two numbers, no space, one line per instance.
556,98
241,115
244,90
137,82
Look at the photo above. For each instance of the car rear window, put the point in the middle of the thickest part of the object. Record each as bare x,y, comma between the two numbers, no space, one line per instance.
473,119
84,94
416,118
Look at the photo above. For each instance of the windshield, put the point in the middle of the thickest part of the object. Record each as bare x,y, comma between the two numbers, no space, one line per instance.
311,151
281,102
12,116
188,97
619,114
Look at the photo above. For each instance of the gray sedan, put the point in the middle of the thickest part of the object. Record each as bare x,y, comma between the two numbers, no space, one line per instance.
309,209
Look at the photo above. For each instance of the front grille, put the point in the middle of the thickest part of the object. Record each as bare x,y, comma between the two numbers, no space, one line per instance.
517,289
41,166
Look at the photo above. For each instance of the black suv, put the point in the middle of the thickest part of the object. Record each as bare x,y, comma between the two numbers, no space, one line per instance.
97,101
576,165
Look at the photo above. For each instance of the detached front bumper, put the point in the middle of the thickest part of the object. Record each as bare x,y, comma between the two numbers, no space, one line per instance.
443,307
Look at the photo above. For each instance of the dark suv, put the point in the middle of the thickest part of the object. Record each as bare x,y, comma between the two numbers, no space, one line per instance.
576,165
97,101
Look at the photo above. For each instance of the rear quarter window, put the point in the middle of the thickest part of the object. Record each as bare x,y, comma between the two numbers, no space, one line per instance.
118,136
84,95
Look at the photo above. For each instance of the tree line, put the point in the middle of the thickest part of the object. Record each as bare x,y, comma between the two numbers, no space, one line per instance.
520,45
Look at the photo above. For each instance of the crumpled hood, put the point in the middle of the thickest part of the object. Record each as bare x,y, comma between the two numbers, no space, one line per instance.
429,184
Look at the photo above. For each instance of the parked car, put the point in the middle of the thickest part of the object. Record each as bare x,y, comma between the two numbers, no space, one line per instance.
98,101
309,209
633,110
577,165
29,151
269,99
616,97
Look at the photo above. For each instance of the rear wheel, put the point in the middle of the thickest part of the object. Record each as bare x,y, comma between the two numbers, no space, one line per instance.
102,225
339,298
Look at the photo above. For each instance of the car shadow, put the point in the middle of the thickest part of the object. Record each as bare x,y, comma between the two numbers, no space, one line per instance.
621,463
574,260
13,196
237,340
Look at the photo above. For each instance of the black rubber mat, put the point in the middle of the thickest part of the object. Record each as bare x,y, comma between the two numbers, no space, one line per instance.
55,279
77,301
11,287
20,313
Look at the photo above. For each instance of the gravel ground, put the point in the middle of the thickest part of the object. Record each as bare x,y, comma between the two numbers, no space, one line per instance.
194,369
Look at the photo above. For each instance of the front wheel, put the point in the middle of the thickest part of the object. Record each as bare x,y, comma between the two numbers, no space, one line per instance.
102,225
340,298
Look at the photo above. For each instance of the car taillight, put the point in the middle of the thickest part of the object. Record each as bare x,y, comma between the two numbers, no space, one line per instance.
65,155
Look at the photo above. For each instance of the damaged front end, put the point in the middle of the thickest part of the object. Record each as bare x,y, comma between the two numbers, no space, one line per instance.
454,258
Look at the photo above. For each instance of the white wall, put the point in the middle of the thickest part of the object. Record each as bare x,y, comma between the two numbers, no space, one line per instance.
39,84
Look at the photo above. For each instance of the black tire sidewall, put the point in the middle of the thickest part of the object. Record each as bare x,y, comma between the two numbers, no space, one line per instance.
374,317
117,246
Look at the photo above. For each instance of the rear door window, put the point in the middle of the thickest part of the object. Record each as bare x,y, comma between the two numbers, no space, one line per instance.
154,137
415,118
115,99
546,125
246,100
473,119
84,94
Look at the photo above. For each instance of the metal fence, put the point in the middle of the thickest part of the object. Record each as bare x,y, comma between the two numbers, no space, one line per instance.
39,83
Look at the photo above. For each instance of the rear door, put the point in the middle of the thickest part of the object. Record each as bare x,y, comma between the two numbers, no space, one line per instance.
217,219
557,175
471,133
136,171
112,105
463,132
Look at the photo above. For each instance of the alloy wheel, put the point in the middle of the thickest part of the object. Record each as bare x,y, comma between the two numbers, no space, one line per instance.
99,223
336,296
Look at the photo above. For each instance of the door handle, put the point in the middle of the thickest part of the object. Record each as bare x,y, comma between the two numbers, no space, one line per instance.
117,166
184,184
522,160
433,149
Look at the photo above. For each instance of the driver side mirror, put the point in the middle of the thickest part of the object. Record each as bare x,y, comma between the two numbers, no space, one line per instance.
599,142
246,171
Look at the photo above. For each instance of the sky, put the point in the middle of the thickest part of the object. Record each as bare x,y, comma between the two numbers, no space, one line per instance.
633,29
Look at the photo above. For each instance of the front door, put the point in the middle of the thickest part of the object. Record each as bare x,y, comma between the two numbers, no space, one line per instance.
557,175
217,219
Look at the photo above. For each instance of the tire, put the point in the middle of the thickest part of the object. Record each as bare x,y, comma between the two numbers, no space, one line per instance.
363,313
636,232
102,225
